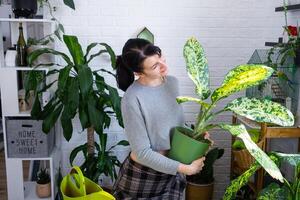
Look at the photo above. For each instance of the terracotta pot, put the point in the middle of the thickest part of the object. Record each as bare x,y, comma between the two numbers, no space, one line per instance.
43,190
199,191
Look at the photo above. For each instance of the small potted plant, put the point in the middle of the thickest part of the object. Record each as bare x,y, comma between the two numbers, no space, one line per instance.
201,185
43,183
188,145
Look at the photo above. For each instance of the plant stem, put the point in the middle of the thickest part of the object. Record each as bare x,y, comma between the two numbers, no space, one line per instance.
90,141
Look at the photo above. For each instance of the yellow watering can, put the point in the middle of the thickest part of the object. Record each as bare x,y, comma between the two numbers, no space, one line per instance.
75,186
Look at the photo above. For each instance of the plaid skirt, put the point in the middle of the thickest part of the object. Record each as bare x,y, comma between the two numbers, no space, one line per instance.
136,181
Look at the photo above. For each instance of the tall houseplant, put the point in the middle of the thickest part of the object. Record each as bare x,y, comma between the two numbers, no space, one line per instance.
239,78
79,91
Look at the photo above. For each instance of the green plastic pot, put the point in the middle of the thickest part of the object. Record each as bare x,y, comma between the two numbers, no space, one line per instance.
184,148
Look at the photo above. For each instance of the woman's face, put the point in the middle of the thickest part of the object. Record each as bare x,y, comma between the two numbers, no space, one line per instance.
155,66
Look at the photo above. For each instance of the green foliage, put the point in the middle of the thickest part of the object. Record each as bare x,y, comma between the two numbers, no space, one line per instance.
102,162
75,92
274,191
261,110
82,91
239,182
237,79
197,67
43,176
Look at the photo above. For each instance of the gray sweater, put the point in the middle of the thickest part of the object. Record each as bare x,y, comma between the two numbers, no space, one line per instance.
149,113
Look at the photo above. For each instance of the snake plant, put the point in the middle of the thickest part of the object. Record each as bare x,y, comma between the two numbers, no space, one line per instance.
236,80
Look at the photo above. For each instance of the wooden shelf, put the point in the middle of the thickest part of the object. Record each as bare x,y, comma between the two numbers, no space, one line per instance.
25,68
25,20
289,7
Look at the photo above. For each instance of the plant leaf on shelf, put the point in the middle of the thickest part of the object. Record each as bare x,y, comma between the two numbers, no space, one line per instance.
260,156
262,110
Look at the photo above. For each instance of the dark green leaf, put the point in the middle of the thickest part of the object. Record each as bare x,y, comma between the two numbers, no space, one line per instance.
122,143
74,49
88,49
36,108
95,115
66,123
35,54
83,115
70,3
95,55
111,53
50,120
75,151
85,77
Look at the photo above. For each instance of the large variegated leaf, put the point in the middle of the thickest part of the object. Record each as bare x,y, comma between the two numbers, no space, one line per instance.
240,78
183,99
197,68
273,192
239,182
259,155
262,110
292,159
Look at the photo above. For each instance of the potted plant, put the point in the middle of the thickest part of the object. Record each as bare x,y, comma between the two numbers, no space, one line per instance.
80,91
43,183
291,48
239,78
289,190
201,185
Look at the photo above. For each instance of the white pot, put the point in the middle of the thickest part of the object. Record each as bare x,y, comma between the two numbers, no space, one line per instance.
10,58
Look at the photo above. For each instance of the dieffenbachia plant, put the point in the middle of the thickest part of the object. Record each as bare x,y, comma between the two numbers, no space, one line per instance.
239,78
290,190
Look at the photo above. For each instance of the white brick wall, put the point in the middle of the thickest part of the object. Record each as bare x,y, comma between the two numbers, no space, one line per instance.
229,31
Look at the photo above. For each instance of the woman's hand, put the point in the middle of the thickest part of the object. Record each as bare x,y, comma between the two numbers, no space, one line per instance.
207,137
194,168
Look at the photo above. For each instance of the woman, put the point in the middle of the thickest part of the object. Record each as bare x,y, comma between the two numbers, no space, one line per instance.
149,111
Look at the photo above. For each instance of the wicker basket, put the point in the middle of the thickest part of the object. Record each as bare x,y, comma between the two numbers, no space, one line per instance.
243,159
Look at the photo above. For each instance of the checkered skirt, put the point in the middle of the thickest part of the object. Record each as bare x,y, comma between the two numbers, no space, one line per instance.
136,181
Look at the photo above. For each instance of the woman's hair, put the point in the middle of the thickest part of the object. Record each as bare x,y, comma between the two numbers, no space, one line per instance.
134,52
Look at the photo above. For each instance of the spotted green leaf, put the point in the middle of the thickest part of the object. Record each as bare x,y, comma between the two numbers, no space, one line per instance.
239,182
261,110
197,67
183,99
273,192
241,77
292,159
259,155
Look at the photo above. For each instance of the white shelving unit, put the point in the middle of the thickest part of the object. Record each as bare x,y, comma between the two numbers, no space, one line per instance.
17,188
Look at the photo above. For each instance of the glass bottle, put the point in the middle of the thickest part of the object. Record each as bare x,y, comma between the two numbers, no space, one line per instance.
21,59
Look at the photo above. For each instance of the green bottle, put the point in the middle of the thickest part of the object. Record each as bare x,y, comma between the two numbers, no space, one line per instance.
21,59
